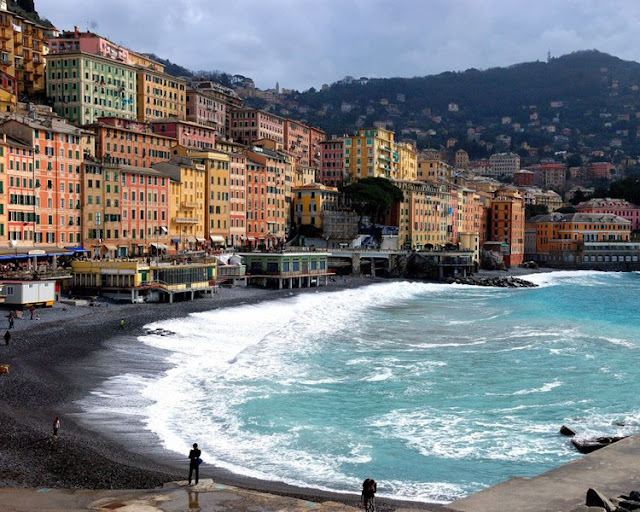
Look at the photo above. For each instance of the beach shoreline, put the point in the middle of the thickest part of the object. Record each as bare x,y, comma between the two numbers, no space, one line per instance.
50,364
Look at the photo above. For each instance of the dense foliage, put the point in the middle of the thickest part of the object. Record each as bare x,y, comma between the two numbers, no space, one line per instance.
372,197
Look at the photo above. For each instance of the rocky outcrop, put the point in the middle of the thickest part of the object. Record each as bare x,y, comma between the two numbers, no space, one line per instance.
500,282
566,431
597,501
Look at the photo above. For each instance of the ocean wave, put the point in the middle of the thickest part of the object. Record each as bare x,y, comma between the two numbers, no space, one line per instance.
545,388
554,278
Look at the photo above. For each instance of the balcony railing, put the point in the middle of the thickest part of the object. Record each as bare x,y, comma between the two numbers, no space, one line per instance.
187,204
186,220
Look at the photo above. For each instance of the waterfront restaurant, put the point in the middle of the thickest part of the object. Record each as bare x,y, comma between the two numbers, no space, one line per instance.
287,269
139,281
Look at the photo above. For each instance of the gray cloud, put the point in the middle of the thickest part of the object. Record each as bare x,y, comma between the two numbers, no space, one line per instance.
306,43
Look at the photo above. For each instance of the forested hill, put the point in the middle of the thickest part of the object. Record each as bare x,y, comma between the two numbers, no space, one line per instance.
571,91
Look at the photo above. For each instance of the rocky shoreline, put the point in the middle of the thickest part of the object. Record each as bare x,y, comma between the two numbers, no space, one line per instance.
499,282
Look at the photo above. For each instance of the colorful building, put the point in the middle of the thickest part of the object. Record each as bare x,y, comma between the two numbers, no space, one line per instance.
369,154
312,201
160,95
332,163
188,134
288,269
130,142
248,126
507,224
54,178
206,109
8,92
573,238
125,210
217,207
188,180
267,194
136,281
85,87
23,47
434,170
618,207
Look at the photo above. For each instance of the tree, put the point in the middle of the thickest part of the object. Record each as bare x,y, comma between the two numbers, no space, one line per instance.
372,197
567,209
531,210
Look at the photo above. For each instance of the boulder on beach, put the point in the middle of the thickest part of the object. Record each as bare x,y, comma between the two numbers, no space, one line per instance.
566,431
596,499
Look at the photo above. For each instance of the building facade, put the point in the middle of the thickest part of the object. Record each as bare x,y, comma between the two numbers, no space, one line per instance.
331,163
248,126
507,224
84,87
160,95
130,142
188,134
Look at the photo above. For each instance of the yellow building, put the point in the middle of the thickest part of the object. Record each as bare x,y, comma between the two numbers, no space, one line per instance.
304,175
187,202
217,210
407,166
24,43
369,154
434,170
310,201
160,95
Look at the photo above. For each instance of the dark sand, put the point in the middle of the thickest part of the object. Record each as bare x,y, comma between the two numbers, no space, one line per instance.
51,367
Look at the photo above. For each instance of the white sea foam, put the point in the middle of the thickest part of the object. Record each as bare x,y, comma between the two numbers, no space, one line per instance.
557,277
545,388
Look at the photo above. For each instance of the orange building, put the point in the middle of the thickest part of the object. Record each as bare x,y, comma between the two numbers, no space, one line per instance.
507,224
566,232
267,205
23,47
57,149
130,142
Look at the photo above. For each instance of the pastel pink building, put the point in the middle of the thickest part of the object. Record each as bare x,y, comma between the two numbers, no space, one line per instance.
88,42
618,207
145,206
331,162
188,134
601,170
248,126
203,108
237,199
316,138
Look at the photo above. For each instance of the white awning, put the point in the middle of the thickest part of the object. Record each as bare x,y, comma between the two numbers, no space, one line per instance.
201,240
37,252
162,247
217,239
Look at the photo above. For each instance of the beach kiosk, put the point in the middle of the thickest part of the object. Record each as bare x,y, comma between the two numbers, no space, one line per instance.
29,293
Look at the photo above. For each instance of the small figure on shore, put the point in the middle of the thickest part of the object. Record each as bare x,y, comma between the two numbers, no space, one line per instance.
7,337
11,319
369,488
194,462
32,310
56,426
122,323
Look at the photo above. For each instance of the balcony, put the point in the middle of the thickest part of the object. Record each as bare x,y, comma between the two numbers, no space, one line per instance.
187,204
186,220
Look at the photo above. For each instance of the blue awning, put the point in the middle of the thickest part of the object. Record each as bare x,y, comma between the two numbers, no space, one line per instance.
175,240
13,256
77,249
60,254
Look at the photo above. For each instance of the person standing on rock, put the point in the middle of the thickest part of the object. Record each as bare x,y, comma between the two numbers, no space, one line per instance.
194,462
56,427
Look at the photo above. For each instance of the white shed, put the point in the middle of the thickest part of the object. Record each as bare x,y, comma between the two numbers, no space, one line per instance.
28,293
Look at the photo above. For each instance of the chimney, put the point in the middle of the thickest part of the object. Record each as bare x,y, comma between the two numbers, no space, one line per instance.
76,32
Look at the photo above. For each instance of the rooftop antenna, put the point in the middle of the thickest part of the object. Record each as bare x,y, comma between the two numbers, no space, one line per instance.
548,56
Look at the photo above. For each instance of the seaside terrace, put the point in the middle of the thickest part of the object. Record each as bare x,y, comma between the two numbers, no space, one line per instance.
299,269
139,281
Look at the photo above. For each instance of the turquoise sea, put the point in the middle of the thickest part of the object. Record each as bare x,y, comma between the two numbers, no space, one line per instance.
436,391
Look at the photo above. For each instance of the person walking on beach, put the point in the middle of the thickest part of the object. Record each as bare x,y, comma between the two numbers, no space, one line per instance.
56,427
11,319
122,323
194,462
369,488
7,337
32,310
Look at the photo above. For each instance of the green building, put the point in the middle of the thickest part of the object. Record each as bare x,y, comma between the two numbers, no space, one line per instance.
84,87
287,269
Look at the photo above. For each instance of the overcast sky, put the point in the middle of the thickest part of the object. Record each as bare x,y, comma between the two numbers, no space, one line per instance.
302,43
